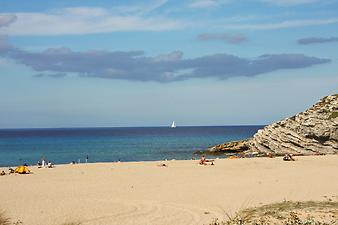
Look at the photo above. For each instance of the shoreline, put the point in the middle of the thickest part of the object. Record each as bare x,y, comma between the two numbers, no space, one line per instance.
145,161
181,193
209,156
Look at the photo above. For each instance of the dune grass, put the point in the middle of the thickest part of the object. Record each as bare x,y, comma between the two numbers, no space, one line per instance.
3,219
286,213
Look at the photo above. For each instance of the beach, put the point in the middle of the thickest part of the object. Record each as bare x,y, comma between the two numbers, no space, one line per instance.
146,193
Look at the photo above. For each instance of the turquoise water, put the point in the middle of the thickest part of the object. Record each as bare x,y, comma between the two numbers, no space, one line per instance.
19,146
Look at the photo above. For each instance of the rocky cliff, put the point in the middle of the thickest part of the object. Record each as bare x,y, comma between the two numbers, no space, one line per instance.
310,132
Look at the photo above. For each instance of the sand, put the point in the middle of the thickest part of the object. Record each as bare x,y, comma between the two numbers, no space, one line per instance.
144,193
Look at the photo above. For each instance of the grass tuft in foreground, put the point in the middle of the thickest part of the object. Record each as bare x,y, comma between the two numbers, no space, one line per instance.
286,213
4,220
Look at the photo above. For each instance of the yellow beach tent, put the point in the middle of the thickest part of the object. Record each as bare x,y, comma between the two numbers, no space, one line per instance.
22,170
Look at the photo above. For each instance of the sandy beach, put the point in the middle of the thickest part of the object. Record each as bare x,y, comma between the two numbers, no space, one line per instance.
144,193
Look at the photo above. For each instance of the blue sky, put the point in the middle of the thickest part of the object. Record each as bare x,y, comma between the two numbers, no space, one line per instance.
85,63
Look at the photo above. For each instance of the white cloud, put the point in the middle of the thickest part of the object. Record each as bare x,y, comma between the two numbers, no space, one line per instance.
281,25
83,11
290,2
216,3
202,4
4,62
207,3
84,20
137,17
6,19
139,9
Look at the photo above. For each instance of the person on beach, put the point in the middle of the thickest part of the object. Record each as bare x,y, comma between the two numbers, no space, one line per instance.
288,157
269,155
43,162
204,161
50,164
2,173
87,157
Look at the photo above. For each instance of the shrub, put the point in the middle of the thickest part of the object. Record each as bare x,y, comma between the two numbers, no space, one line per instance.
4,220
286,213
333,115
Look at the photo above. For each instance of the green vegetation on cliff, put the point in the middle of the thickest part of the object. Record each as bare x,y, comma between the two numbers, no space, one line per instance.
333,115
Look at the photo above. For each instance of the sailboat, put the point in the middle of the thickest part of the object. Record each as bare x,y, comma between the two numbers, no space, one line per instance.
173,125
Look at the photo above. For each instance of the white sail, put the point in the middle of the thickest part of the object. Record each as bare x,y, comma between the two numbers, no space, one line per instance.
173,125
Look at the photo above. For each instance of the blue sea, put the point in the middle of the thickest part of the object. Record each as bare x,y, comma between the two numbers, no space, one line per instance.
63,145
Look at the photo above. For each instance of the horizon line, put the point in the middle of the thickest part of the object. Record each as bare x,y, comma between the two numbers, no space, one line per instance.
105,127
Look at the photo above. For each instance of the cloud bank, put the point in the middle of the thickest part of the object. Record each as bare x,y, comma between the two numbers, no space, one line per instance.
136,66
316,40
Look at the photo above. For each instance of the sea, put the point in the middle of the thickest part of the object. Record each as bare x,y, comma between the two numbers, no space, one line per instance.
65,145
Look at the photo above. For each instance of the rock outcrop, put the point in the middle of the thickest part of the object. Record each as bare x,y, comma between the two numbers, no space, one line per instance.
314,131
230,147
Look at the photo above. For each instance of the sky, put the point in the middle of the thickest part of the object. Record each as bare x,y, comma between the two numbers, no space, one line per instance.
81,63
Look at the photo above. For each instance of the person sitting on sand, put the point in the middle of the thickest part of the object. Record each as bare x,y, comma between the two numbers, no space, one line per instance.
2,173
204,161
288,157
50,164
11,170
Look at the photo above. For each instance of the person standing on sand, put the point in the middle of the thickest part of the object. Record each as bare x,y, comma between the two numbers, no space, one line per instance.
43,162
